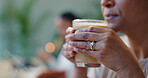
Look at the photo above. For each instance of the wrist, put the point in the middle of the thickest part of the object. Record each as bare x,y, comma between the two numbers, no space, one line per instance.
79,72
80,68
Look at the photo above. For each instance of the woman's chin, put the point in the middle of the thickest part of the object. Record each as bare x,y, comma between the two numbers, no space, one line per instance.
114,26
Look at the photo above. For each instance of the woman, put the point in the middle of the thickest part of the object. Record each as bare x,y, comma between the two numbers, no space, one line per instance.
125,16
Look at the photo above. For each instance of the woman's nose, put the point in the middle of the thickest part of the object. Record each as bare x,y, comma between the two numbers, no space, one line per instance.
107,3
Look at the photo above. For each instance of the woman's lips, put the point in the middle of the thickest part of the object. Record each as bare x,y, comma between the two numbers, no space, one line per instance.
110,17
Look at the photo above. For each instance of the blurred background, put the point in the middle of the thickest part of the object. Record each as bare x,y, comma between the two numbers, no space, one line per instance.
27,26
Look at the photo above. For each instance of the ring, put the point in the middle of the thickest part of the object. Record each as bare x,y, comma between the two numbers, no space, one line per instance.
92,45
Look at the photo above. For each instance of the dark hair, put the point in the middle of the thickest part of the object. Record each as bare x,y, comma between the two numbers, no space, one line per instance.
69,16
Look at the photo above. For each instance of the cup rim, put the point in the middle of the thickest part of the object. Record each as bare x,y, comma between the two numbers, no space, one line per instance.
95,20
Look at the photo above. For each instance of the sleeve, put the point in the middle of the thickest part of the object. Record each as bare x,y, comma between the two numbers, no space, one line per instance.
144,65
92,73
101,72
146,73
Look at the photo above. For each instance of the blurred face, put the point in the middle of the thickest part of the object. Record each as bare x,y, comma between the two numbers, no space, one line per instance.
61,25
125,15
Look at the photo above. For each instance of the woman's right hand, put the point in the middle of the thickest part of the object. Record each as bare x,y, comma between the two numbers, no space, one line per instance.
68,49
70,54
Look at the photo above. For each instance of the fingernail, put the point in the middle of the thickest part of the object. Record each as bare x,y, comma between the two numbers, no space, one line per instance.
71,30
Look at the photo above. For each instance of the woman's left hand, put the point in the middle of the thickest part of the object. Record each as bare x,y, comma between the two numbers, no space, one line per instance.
109,49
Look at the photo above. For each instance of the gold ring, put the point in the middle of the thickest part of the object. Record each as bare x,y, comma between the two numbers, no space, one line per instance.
92,45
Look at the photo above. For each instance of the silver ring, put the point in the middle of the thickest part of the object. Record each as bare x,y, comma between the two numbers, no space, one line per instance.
92,45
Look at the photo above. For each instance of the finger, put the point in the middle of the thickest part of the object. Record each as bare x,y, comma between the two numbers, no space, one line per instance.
78,44
68,54
70,30
87,36
87,52
93,29
86,45
67,47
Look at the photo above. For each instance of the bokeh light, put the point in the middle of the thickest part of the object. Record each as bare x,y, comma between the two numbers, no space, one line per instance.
50,47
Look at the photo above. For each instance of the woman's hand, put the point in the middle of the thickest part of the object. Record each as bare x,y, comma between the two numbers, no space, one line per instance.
110,50
68,49
69,54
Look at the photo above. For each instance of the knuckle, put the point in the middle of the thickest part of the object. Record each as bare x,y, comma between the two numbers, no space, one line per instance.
73,36
86,45
74,43
70,47
97,46
67,47
91,28
78,50
71,42
78,31
84,51
87,52
85,36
